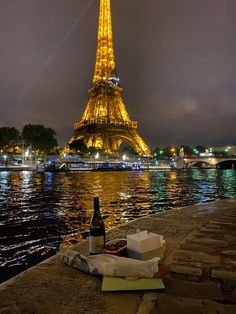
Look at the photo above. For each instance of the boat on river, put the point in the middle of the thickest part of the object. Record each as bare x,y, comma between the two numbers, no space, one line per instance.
95,166
113,167
71,165
76,166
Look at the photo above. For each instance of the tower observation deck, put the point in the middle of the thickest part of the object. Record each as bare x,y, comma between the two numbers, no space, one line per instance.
105,123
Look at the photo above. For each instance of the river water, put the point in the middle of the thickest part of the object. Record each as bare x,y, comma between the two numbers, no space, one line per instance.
38,211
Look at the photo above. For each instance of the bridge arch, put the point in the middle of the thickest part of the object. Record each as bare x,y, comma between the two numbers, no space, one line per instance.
227,164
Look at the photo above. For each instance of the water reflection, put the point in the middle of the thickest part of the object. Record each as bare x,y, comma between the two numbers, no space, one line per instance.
40,210
227,180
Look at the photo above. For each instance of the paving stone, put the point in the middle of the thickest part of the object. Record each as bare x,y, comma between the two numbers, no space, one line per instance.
212,226
209,235
224,219
196,247
223,274
181,269
230,216
229,252
223,223
197,257
232,296
198,290
208,241
195,264
231,261
230,238
211,230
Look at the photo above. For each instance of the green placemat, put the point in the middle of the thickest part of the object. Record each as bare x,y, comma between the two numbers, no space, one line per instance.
120,283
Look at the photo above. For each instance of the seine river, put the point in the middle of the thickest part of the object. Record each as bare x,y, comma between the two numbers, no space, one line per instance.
40,210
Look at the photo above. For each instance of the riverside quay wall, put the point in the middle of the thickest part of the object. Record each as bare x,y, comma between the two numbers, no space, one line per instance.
201,253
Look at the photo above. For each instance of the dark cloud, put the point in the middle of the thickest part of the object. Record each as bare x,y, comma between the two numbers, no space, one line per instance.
195,120
176,60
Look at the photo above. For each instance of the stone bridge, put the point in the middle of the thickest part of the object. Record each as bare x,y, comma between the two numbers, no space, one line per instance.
208,162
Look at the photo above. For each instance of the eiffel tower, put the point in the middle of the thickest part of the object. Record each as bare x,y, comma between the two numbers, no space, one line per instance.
105,123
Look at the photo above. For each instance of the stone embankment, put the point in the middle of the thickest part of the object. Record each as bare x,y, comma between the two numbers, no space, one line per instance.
201,253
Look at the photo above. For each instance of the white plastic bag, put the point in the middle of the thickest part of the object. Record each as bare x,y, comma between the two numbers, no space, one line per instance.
109,265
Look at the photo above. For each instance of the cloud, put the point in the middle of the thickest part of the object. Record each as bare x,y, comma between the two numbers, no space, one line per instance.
191,120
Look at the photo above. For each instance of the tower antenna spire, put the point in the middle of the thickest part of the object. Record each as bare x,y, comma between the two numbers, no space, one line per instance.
105,59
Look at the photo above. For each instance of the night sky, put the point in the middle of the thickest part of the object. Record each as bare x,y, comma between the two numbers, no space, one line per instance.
176,60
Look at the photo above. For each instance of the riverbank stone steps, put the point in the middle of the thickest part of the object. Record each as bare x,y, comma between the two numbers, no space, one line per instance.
201,253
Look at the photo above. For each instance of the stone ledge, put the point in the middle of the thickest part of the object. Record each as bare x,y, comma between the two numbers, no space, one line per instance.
52,287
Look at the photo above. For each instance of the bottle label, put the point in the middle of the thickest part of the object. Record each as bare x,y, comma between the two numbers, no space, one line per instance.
96,244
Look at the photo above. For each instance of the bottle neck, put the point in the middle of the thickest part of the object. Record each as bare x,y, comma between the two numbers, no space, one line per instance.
96,211
96,206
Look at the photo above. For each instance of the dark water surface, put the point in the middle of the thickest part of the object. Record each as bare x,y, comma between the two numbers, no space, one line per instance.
40,210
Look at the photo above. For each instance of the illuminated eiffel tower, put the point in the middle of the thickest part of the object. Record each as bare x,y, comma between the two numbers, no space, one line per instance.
105,123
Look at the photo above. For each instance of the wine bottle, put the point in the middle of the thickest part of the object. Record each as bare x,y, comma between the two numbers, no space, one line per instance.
97,230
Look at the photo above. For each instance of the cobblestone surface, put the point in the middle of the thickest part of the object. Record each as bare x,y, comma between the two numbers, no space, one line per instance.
188,256
203,267
201,256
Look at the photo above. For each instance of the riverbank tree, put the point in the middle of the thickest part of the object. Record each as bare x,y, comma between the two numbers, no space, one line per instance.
9,138
40,138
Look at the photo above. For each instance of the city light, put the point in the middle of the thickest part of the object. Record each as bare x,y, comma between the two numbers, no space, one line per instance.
27,153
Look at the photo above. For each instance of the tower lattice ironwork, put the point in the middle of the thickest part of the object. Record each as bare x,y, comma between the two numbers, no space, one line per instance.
105,123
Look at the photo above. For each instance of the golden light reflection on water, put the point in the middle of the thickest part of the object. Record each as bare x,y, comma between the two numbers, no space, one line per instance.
173,175
117,193
40,210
